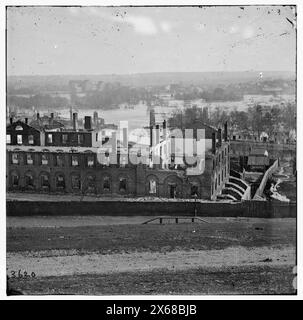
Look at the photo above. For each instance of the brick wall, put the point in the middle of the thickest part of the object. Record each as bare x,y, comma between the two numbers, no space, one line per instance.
260,209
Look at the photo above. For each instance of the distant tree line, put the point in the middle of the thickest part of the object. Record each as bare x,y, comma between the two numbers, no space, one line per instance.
38,100
217,94
110,97
256,119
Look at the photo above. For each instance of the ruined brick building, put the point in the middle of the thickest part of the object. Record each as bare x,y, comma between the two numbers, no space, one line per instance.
57,160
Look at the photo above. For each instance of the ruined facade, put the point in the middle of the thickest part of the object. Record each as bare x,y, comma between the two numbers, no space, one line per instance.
77,169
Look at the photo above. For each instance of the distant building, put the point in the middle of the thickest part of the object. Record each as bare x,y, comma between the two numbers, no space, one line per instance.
46,122
258,160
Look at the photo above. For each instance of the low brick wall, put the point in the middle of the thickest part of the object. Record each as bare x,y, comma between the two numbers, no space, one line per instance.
260,209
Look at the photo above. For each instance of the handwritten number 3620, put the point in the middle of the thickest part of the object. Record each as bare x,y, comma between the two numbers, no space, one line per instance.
21,274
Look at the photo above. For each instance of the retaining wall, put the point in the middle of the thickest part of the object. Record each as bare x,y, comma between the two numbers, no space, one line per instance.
261,209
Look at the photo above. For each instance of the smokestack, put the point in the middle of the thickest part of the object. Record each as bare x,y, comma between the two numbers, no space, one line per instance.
87,123
220,137
11,120
213,145
225,131
151,135
26,120
51,119
75,121
164,130
95,117
151,125
157,134
152,119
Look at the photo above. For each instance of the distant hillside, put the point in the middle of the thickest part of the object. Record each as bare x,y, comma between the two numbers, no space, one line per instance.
152,79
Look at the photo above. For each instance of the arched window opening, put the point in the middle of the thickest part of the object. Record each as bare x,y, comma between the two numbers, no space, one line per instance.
15,180
29,180
106,184
122,185
60,182
152,186
172,190
76,182
90,183
194,190
45,181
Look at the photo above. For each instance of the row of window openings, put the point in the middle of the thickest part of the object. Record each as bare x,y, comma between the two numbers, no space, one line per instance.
218,181
76,182
59,160
20,139
218,160
30,139
80,138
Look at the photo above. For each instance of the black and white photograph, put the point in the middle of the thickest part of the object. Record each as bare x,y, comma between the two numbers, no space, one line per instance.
151,150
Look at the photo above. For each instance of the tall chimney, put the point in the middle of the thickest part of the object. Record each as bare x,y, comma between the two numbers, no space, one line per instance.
26,120
11,120
152,119
151,135
75,121
225,131
157,134
213,145
151,125
95,117
220,137
164,130
51,119
87,122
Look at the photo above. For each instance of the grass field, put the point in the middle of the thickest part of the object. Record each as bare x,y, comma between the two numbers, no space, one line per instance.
225,256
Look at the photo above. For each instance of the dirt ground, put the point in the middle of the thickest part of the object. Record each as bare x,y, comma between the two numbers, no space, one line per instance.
99,256
201,281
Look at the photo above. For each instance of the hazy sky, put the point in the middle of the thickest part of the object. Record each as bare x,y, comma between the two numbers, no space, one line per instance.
121,40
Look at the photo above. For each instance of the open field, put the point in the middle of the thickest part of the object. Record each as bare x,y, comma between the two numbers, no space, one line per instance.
155,237
235,280
227,255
